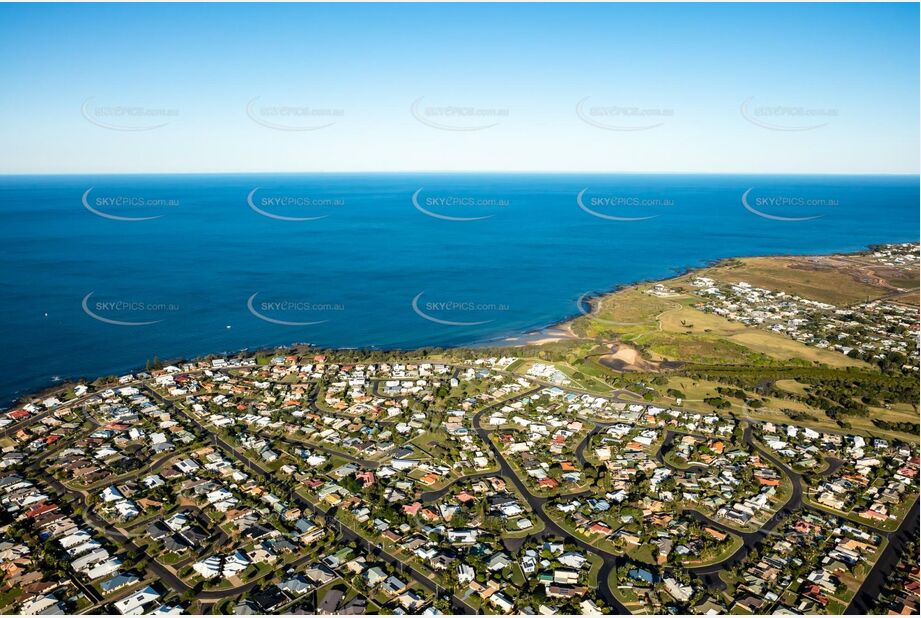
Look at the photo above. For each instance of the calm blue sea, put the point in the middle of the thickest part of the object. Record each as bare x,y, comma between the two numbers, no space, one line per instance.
101,273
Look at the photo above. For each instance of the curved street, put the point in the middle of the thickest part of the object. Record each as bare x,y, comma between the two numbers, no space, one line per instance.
610,561
709,573
460,605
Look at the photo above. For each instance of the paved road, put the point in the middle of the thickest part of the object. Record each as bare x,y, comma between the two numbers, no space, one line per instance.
371,464
870,587
876,579
121,539
433,495
862,599
609,560
833,464
169,577
749,538
11,429
459,604
598,428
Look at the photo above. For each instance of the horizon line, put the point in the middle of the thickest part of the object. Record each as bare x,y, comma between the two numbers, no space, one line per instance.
492,172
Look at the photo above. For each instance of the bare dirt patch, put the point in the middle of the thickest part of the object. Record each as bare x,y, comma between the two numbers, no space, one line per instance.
626,358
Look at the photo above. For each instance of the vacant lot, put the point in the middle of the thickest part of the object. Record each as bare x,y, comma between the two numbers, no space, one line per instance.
825,279
909,298
672,329
774,345
695,391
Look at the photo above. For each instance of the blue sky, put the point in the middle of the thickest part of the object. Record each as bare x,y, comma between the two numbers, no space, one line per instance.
761,88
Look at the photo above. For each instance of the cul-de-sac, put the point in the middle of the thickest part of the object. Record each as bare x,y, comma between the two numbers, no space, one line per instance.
614,466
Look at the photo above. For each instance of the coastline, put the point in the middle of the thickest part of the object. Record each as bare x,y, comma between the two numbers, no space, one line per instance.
557,331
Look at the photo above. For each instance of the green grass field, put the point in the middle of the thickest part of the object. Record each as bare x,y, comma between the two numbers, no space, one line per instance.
802,276
672,329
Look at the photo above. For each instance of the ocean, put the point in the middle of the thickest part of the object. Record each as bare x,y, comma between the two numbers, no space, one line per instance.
101,273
